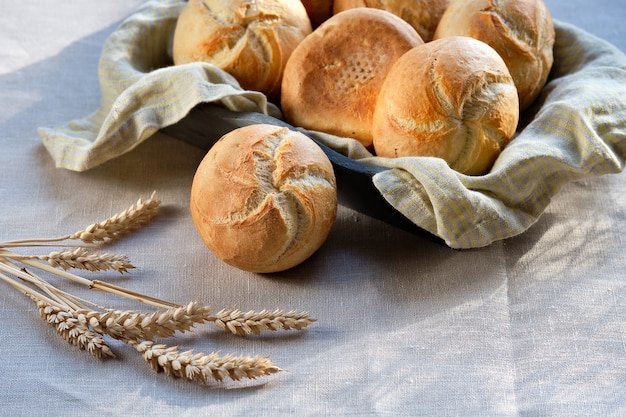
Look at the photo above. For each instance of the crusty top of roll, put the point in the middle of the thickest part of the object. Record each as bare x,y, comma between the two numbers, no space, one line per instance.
423,15
264,198
451,98
250,39
521,31
333,77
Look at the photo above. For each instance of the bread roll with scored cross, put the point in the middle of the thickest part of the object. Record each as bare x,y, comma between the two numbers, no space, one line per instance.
264,198
250,39
521,31
451,98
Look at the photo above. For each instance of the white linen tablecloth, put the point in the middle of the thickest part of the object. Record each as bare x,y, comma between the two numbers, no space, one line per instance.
534,325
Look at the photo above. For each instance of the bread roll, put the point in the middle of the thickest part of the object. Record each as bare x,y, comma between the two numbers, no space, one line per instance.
264,198
521,31
423,15
318,10
332,79
451,98
250,39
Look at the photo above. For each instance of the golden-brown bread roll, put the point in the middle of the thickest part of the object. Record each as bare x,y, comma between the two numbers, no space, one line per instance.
423,15
264,198
333,77
250,39
451,98
521,31
318,10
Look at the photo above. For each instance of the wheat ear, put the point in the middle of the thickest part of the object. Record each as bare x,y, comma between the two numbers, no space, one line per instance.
81,258
242,324
120,224
73,327
200,367
129,325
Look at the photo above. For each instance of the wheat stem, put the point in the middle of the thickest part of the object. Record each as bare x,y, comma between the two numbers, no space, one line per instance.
91,284
35,242
63,274
28,291
60,297
131,295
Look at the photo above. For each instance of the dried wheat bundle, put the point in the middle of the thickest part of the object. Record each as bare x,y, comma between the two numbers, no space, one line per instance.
85,325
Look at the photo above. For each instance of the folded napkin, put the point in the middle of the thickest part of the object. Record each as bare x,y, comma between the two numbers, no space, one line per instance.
576,130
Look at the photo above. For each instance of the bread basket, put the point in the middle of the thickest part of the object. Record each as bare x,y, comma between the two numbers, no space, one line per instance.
576,129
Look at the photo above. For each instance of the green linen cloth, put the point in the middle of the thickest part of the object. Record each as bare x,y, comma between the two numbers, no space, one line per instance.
576,130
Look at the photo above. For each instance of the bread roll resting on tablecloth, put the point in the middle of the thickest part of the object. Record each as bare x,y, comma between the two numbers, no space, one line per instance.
264,198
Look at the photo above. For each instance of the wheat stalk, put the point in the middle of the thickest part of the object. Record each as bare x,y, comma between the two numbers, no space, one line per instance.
91,284
233,320
242,324
83,259
130,325
116,226
200,367
120,224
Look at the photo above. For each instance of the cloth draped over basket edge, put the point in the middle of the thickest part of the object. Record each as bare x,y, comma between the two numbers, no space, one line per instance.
576,130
